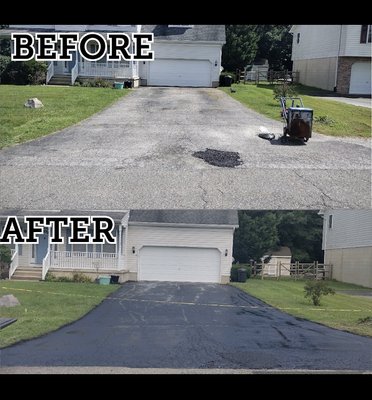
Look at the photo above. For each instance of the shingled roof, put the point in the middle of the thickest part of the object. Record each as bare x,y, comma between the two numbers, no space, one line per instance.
204,33
202,217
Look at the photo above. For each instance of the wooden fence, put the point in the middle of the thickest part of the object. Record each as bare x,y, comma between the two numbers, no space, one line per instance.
295,270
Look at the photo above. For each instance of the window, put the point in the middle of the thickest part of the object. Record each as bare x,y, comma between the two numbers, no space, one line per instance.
366,34
330,222
298,38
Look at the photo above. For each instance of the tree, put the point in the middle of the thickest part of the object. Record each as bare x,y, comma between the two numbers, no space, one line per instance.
262,231
241,46
302,232
257,233
275,44
4,43
245,43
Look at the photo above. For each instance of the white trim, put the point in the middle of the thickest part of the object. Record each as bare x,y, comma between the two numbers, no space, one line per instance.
183,225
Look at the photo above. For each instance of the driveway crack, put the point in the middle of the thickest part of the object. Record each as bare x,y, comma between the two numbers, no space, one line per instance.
323,194
204,191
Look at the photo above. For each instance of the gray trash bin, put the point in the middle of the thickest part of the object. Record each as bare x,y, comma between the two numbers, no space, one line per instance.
242,275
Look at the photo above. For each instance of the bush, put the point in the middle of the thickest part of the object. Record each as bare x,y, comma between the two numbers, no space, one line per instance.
234,271
97,82
4,62
25,73
316,289
81,278
77,278
5,259
284,90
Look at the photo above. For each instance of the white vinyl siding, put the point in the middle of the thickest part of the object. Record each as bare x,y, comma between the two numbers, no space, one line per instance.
172,236
316,41
179,264
350,228
327,41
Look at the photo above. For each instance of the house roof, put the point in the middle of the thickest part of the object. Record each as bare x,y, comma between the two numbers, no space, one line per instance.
115,215
203,33
283,251
194,217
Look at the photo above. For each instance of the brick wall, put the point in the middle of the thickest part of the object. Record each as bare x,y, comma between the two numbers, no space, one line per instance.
344,72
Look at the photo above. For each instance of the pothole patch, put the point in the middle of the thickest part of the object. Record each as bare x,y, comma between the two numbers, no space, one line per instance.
219,158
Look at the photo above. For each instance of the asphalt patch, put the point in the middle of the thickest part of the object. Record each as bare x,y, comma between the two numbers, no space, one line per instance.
219,158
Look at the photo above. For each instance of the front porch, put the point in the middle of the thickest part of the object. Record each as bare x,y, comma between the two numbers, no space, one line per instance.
67,72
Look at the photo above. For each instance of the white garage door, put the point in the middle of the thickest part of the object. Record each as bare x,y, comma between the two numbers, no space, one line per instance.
179,264
360,80
170,72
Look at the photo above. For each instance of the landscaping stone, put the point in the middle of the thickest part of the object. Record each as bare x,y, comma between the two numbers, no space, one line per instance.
34,103
9,301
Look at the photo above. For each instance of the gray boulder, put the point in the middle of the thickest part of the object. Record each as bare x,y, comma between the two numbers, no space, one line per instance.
9,301
34,103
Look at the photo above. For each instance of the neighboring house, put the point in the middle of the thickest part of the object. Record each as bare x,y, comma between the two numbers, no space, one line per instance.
333,57
279,263
153,245
347,245
185,55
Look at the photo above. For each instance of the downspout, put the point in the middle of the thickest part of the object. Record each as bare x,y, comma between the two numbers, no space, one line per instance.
338,56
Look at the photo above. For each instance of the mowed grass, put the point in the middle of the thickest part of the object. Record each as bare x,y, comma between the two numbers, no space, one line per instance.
348,120
340,311
46,306
63,106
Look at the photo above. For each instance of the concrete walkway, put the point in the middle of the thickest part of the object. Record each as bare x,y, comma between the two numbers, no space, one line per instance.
360,101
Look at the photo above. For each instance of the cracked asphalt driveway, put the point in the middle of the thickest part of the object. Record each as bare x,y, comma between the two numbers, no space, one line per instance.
188,325
138,154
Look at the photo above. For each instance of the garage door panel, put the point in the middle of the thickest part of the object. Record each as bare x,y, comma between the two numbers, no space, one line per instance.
179,264
173,72
360,79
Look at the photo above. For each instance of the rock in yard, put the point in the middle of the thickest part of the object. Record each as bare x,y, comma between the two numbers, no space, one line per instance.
34,103
9,301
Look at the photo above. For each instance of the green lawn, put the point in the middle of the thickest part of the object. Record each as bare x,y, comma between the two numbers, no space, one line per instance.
340,311
63,106
46,306
348,120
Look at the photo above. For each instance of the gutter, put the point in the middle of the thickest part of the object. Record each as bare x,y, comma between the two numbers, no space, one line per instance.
338,56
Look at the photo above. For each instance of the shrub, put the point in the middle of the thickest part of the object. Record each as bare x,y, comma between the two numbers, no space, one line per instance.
316,289
25,73
234,271
96,82
225,73
81,278
4,61
5,259
284,90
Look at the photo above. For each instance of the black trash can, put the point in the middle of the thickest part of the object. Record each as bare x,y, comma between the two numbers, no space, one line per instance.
114,279
228,80
242,275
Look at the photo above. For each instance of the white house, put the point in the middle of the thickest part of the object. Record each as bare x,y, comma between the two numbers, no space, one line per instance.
154,245
185,55
347,245
333,57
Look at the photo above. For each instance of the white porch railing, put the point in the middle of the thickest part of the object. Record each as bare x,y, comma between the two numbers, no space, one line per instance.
74,73
46,265
112,69
13,263
83,260
12,252
50,72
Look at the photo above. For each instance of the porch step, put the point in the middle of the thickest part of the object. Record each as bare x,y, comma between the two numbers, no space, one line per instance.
60,80
27,274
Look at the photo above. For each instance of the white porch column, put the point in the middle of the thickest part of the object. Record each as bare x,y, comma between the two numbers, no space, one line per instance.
119,245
